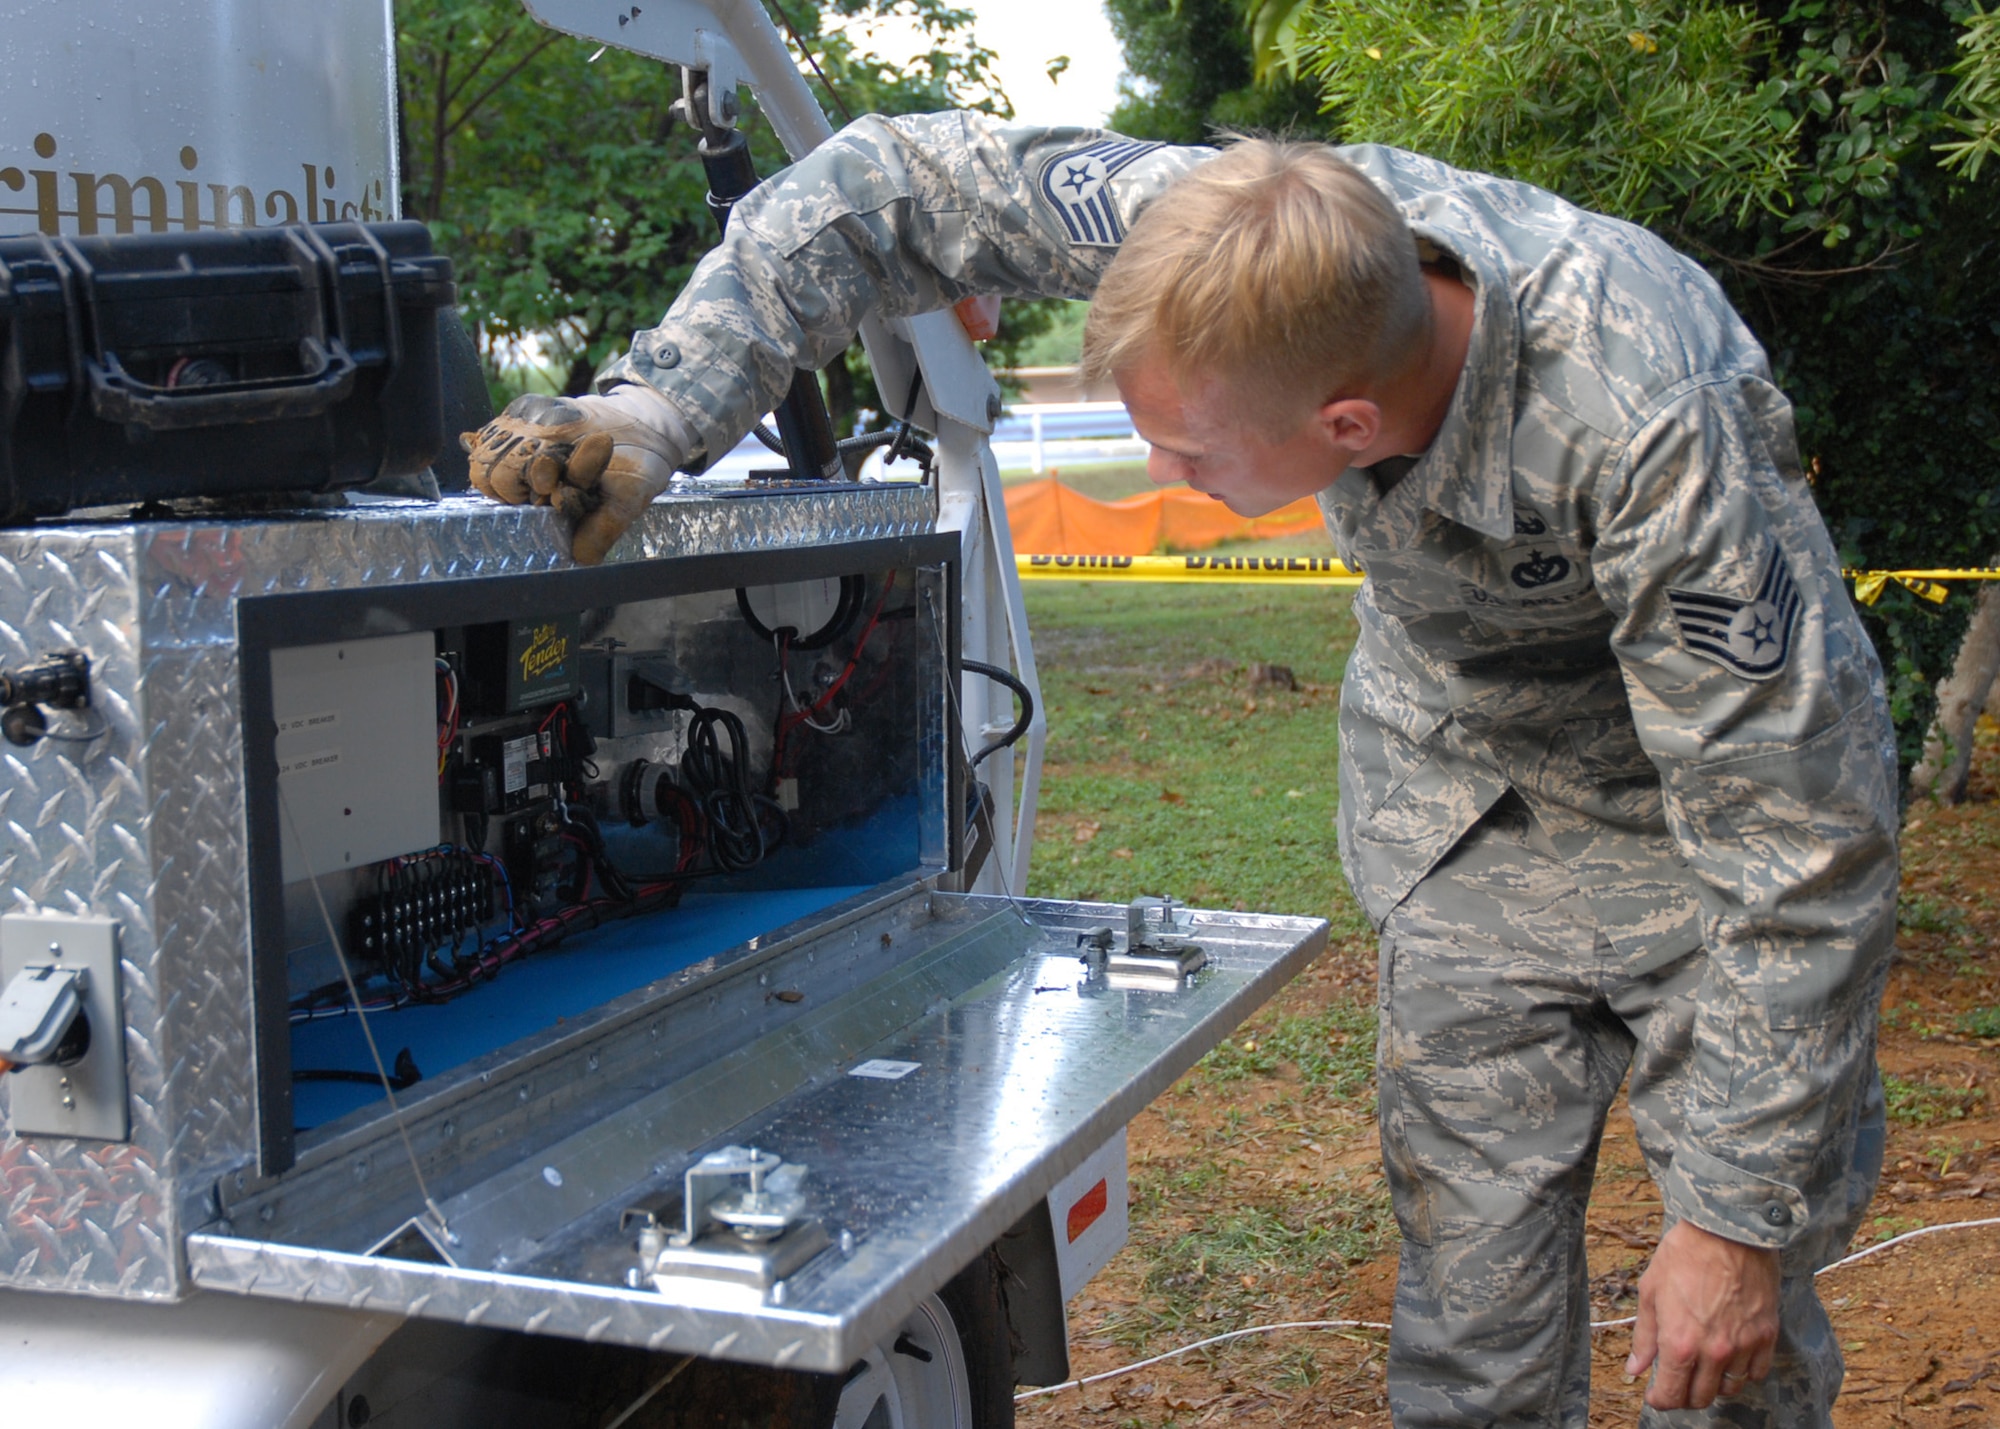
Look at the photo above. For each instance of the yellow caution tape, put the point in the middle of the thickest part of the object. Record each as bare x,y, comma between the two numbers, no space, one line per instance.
1869,585
1327,571
1215,570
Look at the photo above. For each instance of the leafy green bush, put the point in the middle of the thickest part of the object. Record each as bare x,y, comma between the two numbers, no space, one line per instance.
1980,1022
1638,108
1820,157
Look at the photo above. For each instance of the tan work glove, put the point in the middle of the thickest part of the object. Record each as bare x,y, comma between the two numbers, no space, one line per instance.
598,460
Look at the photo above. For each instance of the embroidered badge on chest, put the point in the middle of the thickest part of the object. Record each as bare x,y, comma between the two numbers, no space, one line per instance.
1752,637
1078,186
1540,568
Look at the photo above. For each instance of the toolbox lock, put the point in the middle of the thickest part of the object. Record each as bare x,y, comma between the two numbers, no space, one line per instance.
60,681
117,396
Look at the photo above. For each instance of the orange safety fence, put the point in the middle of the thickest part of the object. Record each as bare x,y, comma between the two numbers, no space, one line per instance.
1051,519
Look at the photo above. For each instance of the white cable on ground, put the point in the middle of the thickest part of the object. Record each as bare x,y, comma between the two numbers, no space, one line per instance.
1849,1260
1910,1235
1378,1325
1202,1345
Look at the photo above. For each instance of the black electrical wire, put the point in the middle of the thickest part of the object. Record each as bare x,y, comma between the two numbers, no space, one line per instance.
736,826
1027,717
902,436
719,779
401,1079
853,593
902,440
799,40
907,443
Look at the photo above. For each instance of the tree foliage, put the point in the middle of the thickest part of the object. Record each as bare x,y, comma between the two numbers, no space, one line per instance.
569,197
1641,108
1819,156
1975,103
1190,69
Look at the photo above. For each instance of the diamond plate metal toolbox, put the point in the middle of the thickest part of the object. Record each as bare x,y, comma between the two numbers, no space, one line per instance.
915,1067
147,824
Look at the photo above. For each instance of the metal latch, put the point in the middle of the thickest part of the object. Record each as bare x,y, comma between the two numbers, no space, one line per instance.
1164,962
41,1016
742,1222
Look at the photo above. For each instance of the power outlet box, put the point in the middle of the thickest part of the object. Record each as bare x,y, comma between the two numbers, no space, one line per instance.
87,1098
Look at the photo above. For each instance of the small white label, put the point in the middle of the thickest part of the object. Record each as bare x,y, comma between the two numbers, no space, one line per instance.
514,756
309,723
552,1176
318,759
883,1070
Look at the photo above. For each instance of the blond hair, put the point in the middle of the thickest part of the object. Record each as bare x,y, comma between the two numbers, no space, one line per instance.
1276,269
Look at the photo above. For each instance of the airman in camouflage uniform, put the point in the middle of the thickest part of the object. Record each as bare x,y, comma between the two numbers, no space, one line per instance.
1617,785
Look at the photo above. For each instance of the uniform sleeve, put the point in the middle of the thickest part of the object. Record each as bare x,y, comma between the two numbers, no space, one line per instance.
1759,698
895,216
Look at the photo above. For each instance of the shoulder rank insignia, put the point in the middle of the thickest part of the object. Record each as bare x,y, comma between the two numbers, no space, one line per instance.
1752,637
1078,186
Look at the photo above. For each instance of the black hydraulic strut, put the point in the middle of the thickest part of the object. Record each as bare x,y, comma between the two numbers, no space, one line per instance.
803,425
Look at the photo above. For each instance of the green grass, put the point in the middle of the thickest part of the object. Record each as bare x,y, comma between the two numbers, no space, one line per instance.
1920,1104
1167,771
1222,1271
1889,1227
1333,1049
1257,1241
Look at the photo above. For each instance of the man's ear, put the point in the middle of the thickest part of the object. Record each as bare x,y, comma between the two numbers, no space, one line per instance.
1351,424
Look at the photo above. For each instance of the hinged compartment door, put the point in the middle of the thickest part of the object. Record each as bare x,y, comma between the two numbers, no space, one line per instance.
935,1063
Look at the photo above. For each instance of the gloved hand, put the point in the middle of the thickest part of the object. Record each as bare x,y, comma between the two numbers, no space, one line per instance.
598,460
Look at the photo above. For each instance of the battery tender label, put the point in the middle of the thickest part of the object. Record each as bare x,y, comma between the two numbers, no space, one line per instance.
542,663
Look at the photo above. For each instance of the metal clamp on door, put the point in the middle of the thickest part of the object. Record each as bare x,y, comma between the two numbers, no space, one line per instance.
743,1224
1163,962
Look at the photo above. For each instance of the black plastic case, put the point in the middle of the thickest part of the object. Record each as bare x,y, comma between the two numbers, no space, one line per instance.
221,364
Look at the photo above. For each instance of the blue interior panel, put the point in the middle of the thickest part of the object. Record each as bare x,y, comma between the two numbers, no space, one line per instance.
586,971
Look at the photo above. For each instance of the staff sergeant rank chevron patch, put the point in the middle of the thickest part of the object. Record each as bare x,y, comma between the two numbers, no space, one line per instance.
1078,186
1752,637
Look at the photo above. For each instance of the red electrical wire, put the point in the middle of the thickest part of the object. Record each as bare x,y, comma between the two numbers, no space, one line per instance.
791,720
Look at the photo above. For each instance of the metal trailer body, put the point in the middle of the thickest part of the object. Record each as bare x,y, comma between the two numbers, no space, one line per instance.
928,1046
992,1062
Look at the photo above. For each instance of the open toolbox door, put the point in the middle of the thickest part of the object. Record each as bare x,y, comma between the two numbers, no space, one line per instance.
934,1062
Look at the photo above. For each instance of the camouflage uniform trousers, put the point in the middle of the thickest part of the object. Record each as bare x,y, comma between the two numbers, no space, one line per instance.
1507,1026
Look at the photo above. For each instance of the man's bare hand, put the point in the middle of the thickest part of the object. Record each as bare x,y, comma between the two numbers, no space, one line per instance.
599,460
1708,1318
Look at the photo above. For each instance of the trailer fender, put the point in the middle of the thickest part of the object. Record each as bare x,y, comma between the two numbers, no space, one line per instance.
207,1362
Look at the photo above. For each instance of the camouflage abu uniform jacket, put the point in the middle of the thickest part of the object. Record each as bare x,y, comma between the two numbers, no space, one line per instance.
1604,585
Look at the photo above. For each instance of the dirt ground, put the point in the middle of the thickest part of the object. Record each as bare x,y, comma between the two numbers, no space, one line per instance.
1257,1198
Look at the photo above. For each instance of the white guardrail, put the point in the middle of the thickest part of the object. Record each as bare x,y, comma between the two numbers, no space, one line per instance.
1030,437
